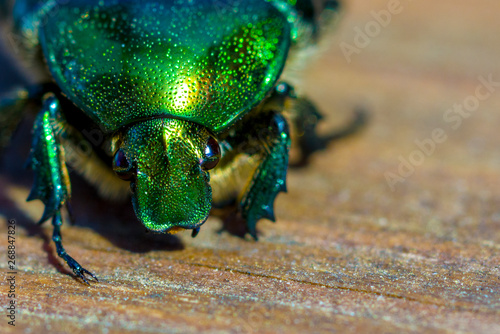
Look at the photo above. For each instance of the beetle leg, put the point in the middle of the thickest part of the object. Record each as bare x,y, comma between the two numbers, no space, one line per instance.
78,270
304,118
255,148
52,185
269,177
255,161
46,158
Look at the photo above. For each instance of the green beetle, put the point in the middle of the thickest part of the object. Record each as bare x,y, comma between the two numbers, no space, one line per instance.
180,97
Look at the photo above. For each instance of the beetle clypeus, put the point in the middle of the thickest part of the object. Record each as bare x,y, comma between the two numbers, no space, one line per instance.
186,94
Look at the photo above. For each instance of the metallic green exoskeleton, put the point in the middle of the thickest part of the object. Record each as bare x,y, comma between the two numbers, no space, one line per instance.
185,99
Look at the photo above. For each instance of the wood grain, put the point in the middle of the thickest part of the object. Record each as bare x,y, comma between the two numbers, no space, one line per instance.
347,254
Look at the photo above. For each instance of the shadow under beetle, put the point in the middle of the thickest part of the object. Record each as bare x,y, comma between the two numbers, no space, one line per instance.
185,94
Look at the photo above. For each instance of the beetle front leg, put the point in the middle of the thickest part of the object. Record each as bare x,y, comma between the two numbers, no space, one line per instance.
270,176
52,185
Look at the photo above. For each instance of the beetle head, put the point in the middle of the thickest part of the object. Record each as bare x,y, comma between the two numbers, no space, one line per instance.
166,161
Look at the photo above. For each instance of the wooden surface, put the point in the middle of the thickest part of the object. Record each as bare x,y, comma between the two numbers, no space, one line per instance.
348,254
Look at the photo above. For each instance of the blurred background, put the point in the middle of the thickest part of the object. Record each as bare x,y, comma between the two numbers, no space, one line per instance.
394,229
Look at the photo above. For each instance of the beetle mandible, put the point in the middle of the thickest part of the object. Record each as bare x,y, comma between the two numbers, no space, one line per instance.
187,94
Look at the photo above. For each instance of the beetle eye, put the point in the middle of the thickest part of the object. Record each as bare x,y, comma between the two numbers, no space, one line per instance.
212,154
122,166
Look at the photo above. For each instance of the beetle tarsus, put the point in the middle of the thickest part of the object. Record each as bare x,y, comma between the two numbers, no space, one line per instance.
77,269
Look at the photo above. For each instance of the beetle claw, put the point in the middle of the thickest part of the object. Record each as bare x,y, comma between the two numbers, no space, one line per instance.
79,271
82,272
195,232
